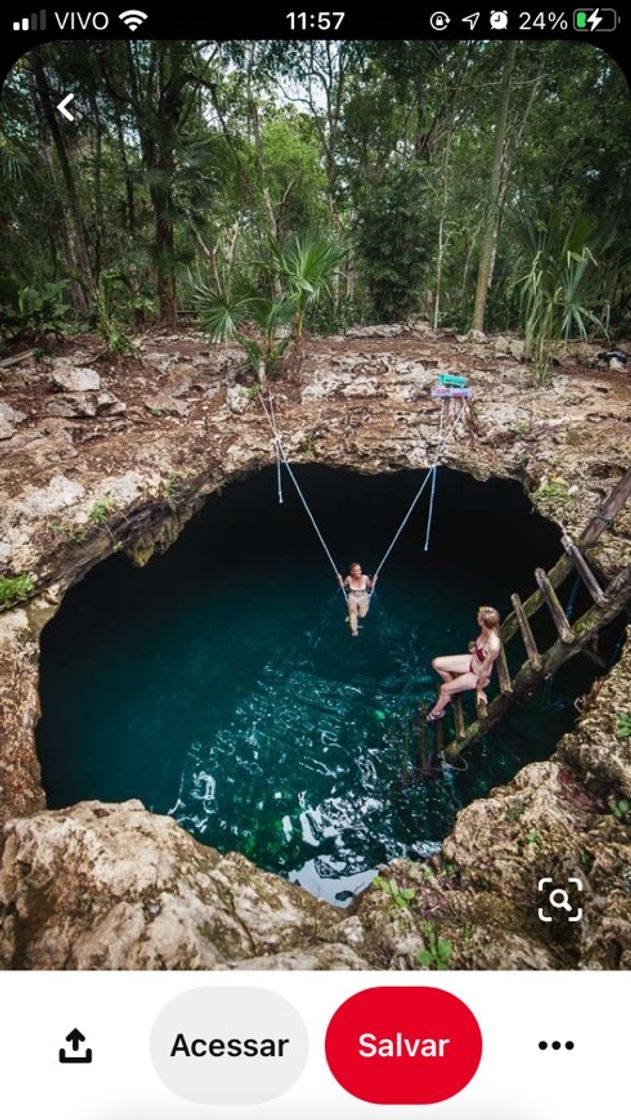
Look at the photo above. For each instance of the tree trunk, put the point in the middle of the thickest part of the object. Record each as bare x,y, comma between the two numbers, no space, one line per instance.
164,242
260,164
77,293
489,235
129,185
442,235
99,216
74,206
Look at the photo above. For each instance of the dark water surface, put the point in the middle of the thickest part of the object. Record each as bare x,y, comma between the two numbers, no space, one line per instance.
220,683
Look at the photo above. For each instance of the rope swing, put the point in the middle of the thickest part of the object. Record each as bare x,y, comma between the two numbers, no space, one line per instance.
281,459
280,456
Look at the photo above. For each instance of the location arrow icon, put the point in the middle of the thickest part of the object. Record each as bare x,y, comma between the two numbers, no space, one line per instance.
62,106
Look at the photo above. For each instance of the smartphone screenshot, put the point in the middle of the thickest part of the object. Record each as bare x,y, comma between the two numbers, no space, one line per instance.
315,563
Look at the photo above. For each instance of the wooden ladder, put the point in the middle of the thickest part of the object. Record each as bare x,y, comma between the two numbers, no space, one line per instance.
606,605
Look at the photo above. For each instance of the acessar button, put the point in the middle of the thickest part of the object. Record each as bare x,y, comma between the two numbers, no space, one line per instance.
403,1045
229,1045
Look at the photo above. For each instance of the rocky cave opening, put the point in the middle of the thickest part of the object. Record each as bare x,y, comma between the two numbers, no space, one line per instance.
220,684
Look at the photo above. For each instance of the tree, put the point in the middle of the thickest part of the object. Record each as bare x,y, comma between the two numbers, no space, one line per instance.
493,212
158,82
79,245
187,158
393,243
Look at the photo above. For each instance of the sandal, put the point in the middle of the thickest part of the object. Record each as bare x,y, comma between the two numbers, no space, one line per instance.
431,717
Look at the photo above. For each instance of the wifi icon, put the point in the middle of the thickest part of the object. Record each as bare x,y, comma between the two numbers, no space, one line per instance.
133,18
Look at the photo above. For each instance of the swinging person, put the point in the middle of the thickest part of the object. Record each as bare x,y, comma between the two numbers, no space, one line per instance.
472,670
357,586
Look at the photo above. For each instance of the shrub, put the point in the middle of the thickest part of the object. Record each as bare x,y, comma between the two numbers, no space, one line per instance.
38,312
15,589
401,897
559,296
437,952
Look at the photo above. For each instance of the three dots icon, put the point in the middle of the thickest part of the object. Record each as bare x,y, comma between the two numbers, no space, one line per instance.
556,1045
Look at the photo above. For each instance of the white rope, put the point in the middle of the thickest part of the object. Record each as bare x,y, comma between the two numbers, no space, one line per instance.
430,512
277,440
431,473
279,477
403,523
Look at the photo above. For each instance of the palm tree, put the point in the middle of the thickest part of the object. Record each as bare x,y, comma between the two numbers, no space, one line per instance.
224,317
306,265
558,293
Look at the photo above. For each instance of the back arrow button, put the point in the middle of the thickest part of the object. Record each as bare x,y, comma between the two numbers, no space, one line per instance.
62,106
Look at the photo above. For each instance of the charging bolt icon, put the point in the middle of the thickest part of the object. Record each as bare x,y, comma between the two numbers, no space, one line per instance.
595,19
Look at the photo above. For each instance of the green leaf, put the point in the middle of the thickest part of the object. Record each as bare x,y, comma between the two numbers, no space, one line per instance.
444,948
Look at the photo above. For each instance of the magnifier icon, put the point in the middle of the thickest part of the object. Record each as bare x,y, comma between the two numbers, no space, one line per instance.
563,902
559,899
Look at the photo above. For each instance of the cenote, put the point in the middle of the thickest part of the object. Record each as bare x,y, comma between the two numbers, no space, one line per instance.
220,684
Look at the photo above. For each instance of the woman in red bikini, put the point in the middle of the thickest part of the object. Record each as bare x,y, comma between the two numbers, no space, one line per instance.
469,670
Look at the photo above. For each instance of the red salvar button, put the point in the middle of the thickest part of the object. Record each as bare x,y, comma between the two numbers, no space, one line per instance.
403,1045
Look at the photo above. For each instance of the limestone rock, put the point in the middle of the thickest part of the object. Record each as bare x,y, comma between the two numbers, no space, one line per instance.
509,347
33,448
177,382
108,404
11,415
361,387
72,406
112,886
378,330
472,336
237,398
162,404
156,359
76,380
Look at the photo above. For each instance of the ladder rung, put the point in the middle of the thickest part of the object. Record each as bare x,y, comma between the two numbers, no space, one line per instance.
440,736
482,709
502,671
422,734
458,717
530,645
559,617
584,570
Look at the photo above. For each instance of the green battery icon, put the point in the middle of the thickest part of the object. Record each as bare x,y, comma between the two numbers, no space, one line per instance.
595,19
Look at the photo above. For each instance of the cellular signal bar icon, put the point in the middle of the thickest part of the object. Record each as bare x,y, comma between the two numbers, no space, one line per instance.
34,22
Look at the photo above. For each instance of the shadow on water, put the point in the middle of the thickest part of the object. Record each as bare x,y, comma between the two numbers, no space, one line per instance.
220,683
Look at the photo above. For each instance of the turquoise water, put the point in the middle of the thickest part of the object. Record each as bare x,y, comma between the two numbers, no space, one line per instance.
220,683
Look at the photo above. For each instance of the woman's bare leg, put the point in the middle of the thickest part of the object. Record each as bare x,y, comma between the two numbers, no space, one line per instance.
363,605
464,683
450,667
352,613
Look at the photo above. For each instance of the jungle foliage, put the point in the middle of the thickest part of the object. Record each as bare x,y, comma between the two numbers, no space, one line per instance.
274,188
